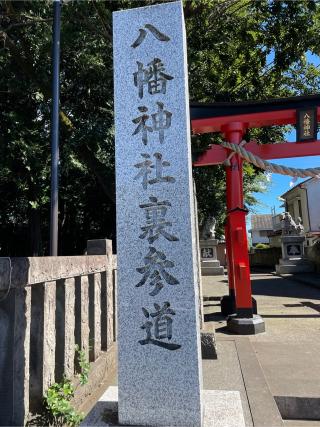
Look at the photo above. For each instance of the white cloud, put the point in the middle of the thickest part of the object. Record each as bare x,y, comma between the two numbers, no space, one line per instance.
268,176
294,180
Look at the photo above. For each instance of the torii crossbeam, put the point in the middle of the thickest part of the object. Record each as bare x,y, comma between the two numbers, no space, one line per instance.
232,119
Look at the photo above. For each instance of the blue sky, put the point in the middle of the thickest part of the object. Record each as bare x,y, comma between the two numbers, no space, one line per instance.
279,184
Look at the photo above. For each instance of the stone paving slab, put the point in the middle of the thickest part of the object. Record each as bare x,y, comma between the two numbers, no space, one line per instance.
221,409
291,369
264,410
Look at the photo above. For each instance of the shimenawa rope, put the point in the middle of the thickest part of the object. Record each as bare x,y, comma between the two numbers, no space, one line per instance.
269,167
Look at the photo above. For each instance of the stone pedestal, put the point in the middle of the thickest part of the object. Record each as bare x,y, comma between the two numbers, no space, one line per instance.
99,247
210,266
293,260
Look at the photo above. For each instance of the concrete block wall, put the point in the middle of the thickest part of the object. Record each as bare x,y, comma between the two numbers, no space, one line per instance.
265,257
53,303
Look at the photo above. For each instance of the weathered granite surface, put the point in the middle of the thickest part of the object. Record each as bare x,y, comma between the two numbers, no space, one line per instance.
31,270
159,342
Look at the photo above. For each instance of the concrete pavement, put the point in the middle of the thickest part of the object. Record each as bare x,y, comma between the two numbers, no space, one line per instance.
288,353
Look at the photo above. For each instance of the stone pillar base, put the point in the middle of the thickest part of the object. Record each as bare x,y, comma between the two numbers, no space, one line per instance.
291,266
211,271
228,305
246,326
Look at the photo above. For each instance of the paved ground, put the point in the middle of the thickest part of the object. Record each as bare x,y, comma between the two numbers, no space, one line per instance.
288,353
283,363
289,308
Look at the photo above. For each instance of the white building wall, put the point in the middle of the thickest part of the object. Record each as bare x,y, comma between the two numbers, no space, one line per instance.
256,238
313,191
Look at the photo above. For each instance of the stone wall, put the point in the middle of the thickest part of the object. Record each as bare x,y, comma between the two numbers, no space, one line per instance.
313,254
265,257
270,257
47,306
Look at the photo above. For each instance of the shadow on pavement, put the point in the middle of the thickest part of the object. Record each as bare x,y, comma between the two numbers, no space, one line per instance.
282,287
224,330
213,317
289,316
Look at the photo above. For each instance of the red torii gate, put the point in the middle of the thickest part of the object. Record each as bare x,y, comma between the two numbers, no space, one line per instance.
232,119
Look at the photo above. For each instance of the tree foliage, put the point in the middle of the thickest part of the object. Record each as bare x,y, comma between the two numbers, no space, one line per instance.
237,50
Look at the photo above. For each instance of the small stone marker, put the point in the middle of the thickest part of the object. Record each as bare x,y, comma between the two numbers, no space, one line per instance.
159,371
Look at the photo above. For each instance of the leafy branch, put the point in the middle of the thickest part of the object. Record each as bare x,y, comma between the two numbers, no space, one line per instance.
58,410
84,365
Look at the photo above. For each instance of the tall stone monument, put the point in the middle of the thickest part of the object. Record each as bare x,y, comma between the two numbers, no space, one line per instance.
159,373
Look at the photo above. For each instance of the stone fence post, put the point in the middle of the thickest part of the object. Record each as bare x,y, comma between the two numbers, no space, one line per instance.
104,247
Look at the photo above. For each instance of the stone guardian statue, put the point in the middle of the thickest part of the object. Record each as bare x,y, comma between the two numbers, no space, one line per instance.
209,228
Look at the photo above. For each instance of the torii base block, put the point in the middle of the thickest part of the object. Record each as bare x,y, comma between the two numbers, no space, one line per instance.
246,326
228,305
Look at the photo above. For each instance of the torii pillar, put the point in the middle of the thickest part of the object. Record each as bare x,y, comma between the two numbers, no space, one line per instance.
239,301
232,119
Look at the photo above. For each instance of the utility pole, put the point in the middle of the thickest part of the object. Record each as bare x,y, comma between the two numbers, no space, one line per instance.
55,128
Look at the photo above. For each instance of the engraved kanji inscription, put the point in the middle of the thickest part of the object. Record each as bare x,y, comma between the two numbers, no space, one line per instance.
159,326
156,224
147,167
154,31
142,127
160,121
153,76
306,125
154,270
207,253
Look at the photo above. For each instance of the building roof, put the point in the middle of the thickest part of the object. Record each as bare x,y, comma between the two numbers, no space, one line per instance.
301,184
261,222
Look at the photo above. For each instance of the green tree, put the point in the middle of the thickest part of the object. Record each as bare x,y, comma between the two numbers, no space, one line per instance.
240,50
237,50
